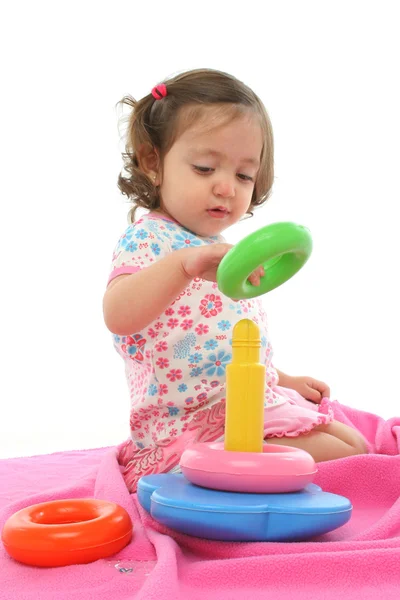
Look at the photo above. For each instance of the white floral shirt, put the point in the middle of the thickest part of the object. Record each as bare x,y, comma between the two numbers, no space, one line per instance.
175,367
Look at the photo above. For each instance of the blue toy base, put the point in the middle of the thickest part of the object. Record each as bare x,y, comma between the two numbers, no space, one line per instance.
175,502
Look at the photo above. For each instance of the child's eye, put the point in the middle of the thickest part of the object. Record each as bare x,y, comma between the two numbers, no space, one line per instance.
207,170
202,169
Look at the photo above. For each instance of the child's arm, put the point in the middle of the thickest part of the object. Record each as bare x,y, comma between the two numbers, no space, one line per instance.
133,301
283,379
308,387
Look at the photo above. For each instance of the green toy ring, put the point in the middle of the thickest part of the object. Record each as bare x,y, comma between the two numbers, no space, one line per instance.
282,248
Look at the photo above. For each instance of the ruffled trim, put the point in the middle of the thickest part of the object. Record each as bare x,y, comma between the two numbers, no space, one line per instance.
325,407
323,417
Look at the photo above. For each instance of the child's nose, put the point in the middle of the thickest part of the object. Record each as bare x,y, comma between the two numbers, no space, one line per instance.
224,188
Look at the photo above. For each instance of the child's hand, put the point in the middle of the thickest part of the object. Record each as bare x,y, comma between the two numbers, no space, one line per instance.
308,387
203,262
256,275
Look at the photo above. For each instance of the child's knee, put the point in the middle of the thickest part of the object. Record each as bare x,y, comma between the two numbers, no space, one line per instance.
357,444
360,445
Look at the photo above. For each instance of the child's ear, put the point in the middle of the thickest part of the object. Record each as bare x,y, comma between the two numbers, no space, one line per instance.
149,161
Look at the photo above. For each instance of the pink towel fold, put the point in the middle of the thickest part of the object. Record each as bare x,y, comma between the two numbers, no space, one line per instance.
361,560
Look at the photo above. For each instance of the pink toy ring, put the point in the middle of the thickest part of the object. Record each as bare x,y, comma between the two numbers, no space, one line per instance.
277,469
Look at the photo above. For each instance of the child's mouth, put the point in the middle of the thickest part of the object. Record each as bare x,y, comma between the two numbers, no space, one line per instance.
218,213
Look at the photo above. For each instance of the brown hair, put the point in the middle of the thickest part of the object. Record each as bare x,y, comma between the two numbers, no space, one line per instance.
158,123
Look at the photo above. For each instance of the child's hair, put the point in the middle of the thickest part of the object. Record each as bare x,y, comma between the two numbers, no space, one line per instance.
156,124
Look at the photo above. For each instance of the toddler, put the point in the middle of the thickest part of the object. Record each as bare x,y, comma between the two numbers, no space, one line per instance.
199,157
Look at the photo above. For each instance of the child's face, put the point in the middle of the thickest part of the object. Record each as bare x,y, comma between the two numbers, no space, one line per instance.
209,176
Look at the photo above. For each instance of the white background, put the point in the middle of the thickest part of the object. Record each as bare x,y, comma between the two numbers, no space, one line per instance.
328,74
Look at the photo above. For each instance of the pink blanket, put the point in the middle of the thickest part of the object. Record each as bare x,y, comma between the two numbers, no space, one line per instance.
360,560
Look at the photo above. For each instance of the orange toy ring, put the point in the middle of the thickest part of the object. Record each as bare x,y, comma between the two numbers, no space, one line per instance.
66,532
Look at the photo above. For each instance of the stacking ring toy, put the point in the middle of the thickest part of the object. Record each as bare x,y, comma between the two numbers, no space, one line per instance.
275,469
282,249
176,503
66,532
244,489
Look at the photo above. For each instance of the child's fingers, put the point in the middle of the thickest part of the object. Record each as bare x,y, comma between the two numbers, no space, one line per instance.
322,388
256,275
313,395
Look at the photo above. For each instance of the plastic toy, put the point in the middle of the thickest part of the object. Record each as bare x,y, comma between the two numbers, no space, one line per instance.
214,497
274,469
175,502
205,502
282,248
245,383
66,532
243,463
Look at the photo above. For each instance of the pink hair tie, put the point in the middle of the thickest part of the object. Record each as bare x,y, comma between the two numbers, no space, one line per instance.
159,91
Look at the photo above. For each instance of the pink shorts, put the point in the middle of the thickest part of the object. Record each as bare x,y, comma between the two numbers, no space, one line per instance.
297,416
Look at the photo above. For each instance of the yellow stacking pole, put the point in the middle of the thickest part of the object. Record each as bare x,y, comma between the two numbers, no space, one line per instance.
245,384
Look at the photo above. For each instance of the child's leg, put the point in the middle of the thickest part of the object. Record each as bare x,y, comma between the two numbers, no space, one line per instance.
323,442
345,433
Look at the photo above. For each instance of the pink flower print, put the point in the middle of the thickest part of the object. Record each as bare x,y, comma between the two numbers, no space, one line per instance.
174,374
161,346
163,363
201,396
173,432
160,426
156,413
163,389
169,312
172,323
210,306
171,423
191,409
135,346
189,400
140,435
152,333
135,425
202,329
184,311
187,324
159,325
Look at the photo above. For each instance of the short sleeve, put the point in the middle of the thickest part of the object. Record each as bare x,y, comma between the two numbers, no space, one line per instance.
141,245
